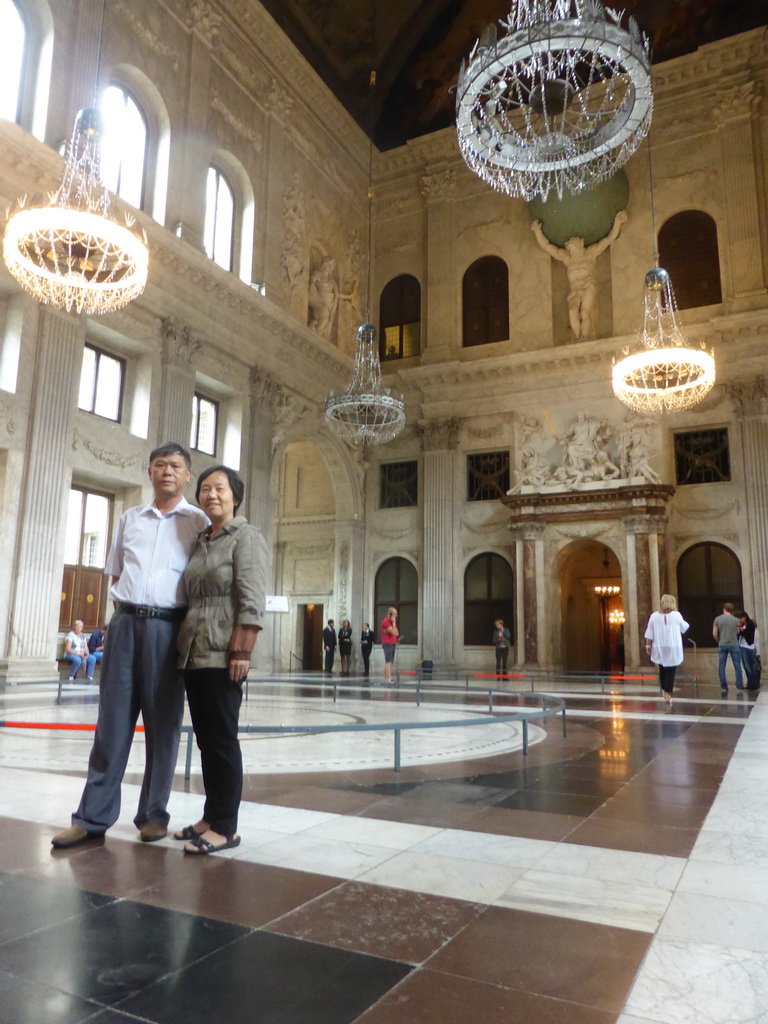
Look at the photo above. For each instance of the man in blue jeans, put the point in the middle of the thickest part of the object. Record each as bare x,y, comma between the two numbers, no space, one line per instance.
725,629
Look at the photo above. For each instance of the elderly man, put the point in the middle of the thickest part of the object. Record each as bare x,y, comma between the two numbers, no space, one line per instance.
149,553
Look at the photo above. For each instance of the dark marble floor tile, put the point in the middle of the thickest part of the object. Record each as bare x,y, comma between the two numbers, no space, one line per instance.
335,801
235,891
110,1016
647,806
526,824
457,791
270,979
383,922
572,784
635,836
597,969
678,771
26,1002
385,788
119,948
421,812
27,905
552,803
430,997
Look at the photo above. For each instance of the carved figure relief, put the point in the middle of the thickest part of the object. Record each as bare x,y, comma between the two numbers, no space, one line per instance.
323,298
292,253
579,261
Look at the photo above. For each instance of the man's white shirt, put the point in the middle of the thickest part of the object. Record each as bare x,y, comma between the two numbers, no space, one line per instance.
150,552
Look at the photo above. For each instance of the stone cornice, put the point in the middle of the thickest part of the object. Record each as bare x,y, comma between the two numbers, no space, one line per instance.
647,500
719,61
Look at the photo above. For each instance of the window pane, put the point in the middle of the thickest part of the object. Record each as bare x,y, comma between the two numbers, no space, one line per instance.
225,212
108,385
210,212
206,428
124,145
87,380
726,570
409,582
476,580
411,340
11,59
385,581
72,536
501,579
95,531
135,144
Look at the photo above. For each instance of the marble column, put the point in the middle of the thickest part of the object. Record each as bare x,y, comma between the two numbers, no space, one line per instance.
42,503
438,191
530,596
440,439
639,590
178,384
735,112
349,543
750,400
281,262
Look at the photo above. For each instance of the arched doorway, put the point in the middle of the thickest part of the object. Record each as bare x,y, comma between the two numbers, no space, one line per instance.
591,607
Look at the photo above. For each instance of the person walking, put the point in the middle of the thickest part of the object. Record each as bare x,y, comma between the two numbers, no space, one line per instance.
149,553
329,647
501,640
725,630
389,635
367,638
664,643
226,588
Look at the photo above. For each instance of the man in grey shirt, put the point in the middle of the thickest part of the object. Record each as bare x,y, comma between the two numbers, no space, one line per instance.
725,629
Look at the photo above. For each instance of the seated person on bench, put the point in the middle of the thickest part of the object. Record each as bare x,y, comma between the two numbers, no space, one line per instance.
76,651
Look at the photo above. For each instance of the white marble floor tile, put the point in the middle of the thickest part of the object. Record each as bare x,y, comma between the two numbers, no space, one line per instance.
476,881
394,835
738,924
733,848
320,856
623,866
695,983
627,1018
485,847
728,881
622,905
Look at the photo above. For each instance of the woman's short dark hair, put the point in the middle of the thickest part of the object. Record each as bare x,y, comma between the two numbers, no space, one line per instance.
236,484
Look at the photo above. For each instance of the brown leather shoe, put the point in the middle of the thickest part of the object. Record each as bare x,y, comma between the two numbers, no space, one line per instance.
72,836
151,831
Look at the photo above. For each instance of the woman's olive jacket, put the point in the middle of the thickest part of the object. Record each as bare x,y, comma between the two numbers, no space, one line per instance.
225,584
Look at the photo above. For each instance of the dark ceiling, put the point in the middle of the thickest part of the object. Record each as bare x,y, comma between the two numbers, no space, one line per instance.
416,47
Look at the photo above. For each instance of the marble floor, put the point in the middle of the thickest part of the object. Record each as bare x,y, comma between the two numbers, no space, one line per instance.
615,874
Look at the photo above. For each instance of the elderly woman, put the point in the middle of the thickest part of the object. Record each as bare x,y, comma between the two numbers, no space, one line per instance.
664,643
76,651
225,586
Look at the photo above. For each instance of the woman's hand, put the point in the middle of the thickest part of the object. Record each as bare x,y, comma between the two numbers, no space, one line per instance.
238,669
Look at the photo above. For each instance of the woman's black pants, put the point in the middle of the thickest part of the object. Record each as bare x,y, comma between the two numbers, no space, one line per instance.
502,653
667,677
214,703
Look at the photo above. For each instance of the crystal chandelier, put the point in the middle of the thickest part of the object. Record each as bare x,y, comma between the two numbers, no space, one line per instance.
73,252
665,374
367,412
560,102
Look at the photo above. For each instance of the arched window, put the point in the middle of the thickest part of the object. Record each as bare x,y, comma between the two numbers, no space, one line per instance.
688,252
708,575
219,219
489,594
485,302
397,585
13,39
124,146
400,318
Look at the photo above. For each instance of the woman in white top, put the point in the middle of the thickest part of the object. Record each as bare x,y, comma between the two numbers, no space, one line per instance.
76,651
664,643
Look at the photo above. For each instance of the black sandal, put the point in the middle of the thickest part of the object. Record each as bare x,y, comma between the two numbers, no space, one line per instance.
189,833
204,847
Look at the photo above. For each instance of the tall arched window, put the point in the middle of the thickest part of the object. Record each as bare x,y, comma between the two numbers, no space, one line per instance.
400,318
13,39
688,252
124,146
489,594
708,575
397,585
485,302
219,219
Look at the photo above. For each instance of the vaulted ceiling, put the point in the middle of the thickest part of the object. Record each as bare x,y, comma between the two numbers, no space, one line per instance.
416,48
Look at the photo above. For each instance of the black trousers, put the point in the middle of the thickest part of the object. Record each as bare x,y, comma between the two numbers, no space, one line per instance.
365,650
502,653
214,703
667,677
329,659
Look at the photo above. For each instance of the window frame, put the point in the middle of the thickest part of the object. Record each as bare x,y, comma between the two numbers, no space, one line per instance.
494,608
129,94
78,567
508,470
401,281
197,397
383,468
485,305
378,605
711,603
123,366
680,456
221,175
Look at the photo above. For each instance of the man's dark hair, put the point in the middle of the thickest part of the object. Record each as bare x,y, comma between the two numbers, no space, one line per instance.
236,484
171,449
330,622
728,607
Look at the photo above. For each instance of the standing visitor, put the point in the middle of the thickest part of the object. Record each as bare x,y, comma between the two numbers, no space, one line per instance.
345,646
501,639
389,635
725,629
329,647
367,638
749,648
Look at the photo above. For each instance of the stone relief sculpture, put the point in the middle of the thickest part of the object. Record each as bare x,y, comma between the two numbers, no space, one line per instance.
294,234
324,296
587,462
579,261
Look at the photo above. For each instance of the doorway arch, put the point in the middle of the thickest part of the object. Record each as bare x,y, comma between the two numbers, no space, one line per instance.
591,633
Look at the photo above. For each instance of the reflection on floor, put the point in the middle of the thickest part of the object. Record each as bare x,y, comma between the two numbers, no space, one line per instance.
618,874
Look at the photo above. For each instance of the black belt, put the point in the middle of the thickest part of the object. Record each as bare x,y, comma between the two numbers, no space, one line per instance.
145,611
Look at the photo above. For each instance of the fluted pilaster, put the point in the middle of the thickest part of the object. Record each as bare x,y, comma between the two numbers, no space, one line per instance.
440,440
438,190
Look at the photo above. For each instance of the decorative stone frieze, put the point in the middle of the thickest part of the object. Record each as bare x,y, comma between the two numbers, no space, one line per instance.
439,186
440,435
